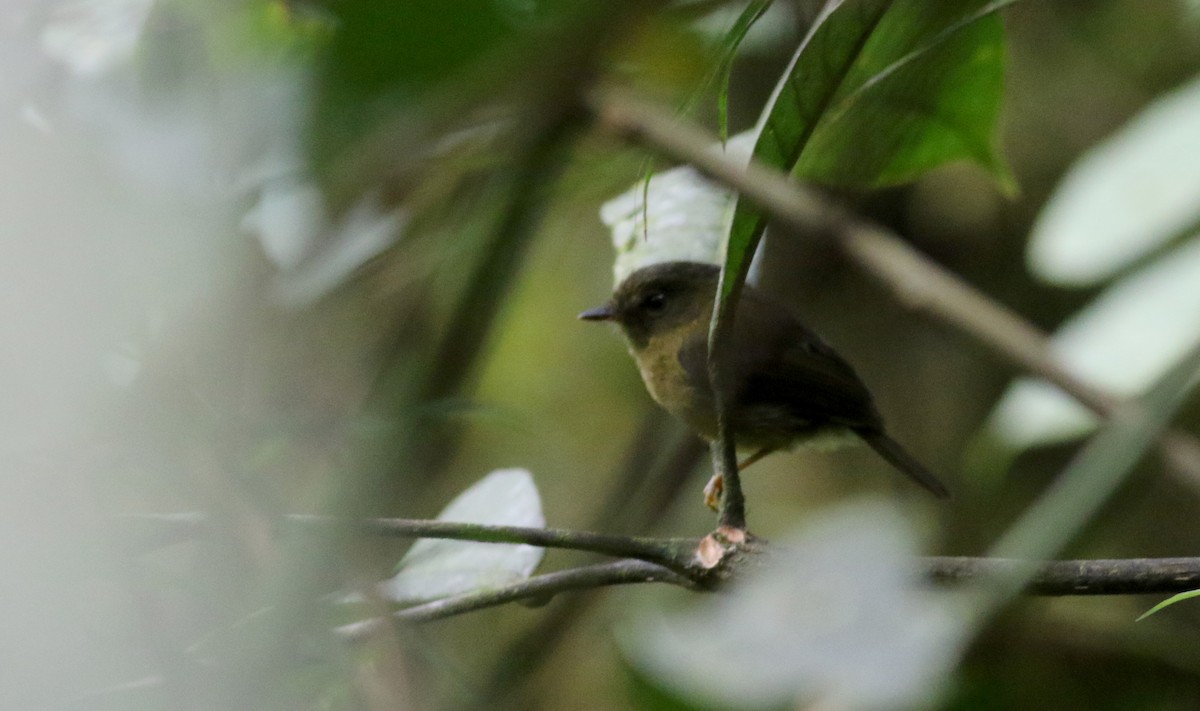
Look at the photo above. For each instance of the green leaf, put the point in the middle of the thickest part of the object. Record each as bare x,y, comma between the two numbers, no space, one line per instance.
926,89
1168,602
729,46
878,93
725,51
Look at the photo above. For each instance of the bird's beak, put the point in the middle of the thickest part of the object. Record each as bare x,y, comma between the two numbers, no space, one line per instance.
600,313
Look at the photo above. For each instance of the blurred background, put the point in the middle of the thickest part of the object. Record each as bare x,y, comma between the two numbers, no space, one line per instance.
267,256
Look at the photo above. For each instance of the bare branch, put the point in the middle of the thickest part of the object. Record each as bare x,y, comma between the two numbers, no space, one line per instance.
674,560
540,587
917,282
1138,576
1127,576
673,553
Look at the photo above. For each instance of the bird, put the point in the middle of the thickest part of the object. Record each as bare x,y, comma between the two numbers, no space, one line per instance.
786,386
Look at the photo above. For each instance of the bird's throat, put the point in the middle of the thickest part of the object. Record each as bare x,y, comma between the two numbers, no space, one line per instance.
669,384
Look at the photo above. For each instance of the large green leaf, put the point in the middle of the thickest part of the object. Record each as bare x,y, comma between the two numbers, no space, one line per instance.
895,117
878,93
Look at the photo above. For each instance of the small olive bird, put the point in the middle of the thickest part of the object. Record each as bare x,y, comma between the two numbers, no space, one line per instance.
788,387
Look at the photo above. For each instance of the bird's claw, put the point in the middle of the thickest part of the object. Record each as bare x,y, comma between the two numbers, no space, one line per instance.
712,492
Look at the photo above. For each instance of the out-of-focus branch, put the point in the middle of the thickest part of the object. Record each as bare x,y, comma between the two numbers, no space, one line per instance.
917,282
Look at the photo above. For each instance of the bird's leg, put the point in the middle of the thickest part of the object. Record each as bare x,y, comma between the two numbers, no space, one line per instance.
715,485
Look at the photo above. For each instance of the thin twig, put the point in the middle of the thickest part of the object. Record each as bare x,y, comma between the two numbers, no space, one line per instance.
673,553
1123,576
917,282
1139,576
1129,576
539,587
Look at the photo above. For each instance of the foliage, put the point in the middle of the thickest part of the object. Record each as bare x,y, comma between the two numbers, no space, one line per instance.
1124,216
878,93
284,256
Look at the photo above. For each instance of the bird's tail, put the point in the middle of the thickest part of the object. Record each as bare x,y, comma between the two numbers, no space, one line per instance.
898,457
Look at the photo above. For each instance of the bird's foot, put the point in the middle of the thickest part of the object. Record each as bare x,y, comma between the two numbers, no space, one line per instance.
712,492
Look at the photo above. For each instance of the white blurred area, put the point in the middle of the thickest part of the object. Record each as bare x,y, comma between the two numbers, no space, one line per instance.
129,161
143,170
1124,218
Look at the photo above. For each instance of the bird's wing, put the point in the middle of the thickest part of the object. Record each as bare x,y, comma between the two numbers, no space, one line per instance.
803,374
778,362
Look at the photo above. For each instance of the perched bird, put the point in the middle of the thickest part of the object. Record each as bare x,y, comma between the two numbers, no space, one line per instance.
788,388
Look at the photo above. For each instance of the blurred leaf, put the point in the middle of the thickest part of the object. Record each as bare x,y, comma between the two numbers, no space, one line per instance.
647,693
1180,597
91,37
435,568
840,617
662,56
149,692
290,26
878,93
1123,341
386,56
313,251
1087,483
1127,196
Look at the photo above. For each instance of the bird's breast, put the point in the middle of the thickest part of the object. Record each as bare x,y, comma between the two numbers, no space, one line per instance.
669,384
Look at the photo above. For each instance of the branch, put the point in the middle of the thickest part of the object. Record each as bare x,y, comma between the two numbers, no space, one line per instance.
1126,576
539,587
682,562
917,282
637,497
1133,576
673,553
732,509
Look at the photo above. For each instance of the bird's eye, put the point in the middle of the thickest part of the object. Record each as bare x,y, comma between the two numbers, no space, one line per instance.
654,302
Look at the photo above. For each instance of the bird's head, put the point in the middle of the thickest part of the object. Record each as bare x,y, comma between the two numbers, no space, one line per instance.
660,298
